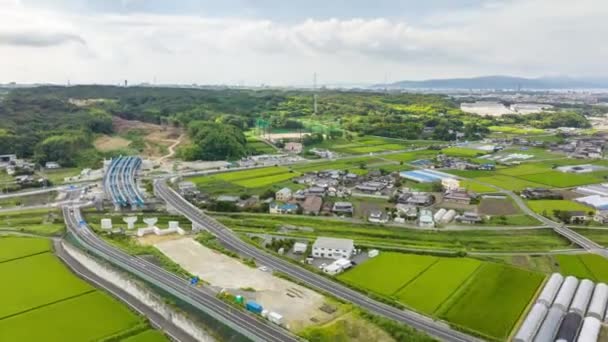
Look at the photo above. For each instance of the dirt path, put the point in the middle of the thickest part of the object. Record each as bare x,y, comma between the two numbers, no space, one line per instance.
171,148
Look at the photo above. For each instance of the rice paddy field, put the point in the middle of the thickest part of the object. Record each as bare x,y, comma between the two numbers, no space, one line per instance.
484,297
370,144
584,266
254,181
44,301
547,206
462,152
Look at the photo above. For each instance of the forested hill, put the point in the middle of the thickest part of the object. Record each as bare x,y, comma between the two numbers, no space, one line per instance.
60,123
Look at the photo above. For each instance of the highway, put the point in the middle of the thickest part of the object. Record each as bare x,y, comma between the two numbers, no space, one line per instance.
157,320
119,182
203,298
318,282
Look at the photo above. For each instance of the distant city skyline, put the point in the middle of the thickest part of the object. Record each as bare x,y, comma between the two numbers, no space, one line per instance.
278,43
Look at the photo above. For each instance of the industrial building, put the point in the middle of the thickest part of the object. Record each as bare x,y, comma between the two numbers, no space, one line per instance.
595,201
333,248
425,176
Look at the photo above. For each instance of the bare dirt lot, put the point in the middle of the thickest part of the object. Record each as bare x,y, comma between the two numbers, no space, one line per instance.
160,140
494,206
106,143
299,306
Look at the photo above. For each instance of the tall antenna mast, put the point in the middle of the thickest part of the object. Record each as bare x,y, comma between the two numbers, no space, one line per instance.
314,95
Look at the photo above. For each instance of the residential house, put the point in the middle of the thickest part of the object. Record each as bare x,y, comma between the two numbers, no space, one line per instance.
540,193
342,208
333,248
312,205
601,216
407,211
282,208
578,216
377,216
316,191
283,195
469,218
420,199
458,196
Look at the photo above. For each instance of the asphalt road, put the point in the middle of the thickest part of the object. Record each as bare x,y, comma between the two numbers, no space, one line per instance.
434,328
157,320
249,325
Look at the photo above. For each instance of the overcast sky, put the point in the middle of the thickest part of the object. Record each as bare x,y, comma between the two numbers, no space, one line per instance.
282,42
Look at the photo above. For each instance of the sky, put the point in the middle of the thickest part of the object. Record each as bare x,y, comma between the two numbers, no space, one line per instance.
278,42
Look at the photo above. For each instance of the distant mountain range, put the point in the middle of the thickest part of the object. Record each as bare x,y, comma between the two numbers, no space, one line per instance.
502,83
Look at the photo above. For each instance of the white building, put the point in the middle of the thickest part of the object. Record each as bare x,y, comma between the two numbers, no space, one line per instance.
425,219
333,248
300,247
337,266
52,165
284,195
450,184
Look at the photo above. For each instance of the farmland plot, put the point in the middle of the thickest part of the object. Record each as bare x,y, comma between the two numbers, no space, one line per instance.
37,280
494,300
388,272
17,247
90,317
427,292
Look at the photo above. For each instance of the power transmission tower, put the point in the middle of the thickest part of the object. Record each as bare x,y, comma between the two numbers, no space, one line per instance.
314,95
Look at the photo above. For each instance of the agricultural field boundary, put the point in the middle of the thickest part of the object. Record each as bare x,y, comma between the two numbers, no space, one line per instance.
48,304
23,257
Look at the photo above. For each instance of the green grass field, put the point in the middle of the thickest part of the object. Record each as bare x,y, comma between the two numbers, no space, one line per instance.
379,274
462,152
259,182
90,317
562,180
476,187
252,182
397,237
147,336
38,221
516,130
526,169
481,296
584,266
547,206
411,156
509,183
18,247
427,292
43,301
36,280
494,300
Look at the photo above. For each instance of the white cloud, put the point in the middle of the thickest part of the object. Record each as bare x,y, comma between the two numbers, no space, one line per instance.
527,37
